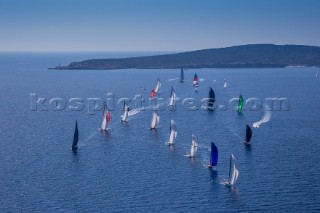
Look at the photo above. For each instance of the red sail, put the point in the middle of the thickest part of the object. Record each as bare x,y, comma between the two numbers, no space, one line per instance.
152,94
108,117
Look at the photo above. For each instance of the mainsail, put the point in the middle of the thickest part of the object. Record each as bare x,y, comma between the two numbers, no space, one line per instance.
193,146
75,137
125,112
181,75
214,155
172,98
156,90
155,120
211,99
248,134
173,132
240,104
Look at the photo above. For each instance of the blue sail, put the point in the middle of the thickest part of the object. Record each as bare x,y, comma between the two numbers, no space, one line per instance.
214,155
248,134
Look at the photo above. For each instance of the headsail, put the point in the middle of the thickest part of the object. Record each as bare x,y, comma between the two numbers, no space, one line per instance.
75,137
173,132
214,155
156,90
195,80
193,146
172,98
125,112
248,134
155,120
211,99
181,75
240,104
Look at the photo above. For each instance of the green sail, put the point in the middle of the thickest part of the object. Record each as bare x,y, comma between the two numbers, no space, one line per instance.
240,104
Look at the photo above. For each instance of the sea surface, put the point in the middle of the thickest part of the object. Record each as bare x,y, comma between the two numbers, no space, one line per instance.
130,168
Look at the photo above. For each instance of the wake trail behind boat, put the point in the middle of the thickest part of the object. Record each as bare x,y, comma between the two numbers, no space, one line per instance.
266,117
173,79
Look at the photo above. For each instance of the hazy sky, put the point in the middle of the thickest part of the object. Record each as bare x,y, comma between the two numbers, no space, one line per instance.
154,25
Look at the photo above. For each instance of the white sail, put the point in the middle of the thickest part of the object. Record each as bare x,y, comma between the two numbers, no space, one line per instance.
173,132
235,174
225,84
155,120
193,146
172,98
104,120
157,86
125,113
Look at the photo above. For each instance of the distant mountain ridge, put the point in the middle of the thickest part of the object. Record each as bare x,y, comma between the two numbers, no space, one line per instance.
244,56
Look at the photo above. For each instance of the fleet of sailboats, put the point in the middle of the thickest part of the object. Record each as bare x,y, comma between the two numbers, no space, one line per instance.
233,171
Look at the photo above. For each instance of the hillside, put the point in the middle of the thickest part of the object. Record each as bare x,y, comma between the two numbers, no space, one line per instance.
245,56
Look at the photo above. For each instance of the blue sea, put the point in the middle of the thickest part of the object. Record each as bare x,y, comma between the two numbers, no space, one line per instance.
130,168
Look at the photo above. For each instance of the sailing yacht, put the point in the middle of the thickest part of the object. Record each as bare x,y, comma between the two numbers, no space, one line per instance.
172,99
213,156
155,120
173,132
233,172
156,90
75,137
181,75
225,84
125,112
240,104
211,99
194,147
248,134
106,117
